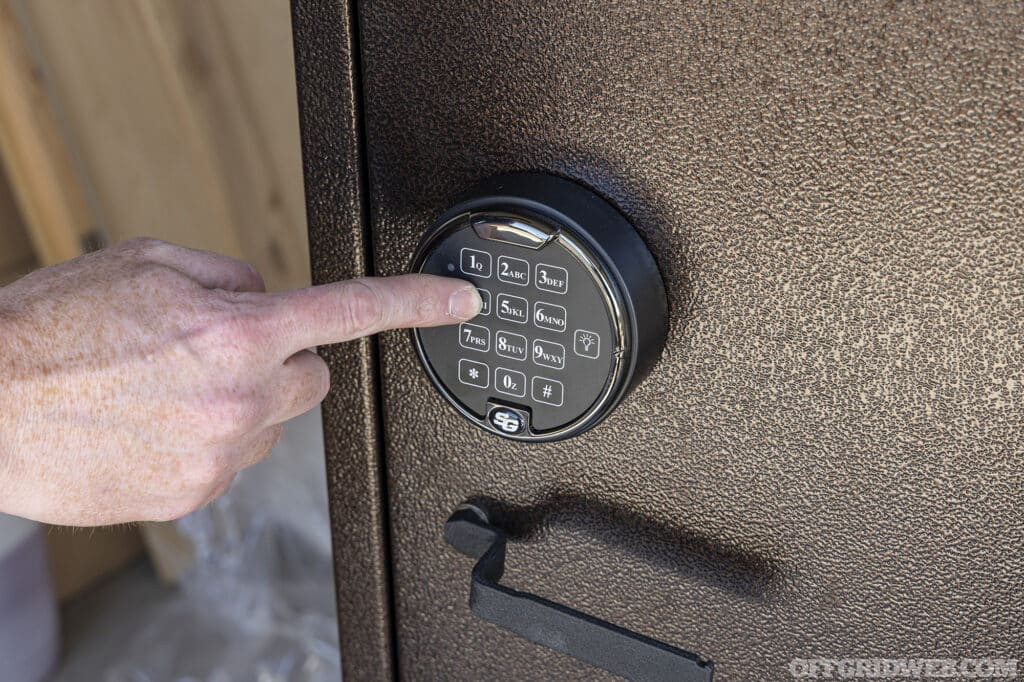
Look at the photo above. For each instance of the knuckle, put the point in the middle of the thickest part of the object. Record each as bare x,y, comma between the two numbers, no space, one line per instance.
199,497
241,416
231,416
362,308
204,470
229,333
270,441
215,490
163,514
428,309
261,447
323,382
255,279
163,279
218,490
315,384
237,330
143,245
170,511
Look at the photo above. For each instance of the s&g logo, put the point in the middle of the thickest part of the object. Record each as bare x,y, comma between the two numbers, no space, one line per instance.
506,421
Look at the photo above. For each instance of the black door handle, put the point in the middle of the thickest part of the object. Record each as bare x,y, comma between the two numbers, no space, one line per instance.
597,642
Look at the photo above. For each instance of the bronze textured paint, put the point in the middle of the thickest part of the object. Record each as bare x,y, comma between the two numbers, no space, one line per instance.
828,460
335,208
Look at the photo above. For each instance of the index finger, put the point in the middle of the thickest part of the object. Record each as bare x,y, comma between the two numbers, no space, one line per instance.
342,311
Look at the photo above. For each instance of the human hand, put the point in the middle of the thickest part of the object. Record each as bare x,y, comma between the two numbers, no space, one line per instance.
137,381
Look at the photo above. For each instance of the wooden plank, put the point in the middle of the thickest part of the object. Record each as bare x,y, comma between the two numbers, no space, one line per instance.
33,153
235,61
16,254
184,115
17,269
81,557
265,66
137,135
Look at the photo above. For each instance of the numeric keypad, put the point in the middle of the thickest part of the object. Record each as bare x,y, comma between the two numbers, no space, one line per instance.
529,363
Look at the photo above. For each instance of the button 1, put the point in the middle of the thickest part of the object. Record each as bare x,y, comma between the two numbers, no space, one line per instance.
548,354
586,344
549,316
551,278
513,308
513,270
485,297
510,345
510,382
549,391
474,337
477,263
473,373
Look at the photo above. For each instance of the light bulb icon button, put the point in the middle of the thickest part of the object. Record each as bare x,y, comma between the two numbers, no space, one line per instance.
586,344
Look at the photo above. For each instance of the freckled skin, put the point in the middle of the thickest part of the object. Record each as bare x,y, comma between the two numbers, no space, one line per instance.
135,382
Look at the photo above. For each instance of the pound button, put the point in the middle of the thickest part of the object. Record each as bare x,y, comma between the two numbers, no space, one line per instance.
549,391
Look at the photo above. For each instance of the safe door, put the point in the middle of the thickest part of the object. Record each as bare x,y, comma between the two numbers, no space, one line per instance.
821,466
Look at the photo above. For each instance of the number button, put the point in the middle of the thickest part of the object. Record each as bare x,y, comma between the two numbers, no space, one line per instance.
485,298
513,270
510,382
510,345
548,391
513,308
549,316
473,373
586,344
474,337
477,263
548,354
551,278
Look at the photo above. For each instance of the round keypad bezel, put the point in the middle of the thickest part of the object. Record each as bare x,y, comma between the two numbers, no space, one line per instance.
564,237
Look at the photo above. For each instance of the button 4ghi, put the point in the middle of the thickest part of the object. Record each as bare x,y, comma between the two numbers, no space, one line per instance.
485,302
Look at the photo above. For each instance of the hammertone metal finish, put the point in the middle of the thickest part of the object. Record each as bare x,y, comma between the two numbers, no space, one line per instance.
335,209
828,459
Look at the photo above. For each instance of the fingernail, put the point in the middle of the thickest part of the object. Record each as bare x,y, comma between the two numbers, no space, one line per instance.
464,303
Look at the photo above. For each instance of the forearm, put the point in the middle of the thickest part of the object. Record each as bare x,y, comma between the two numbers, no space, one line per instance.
28,388
9,413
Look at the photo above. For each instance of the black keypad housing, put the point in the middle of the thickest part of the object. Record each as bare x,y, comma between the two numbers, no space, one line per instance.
535,327
566,331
